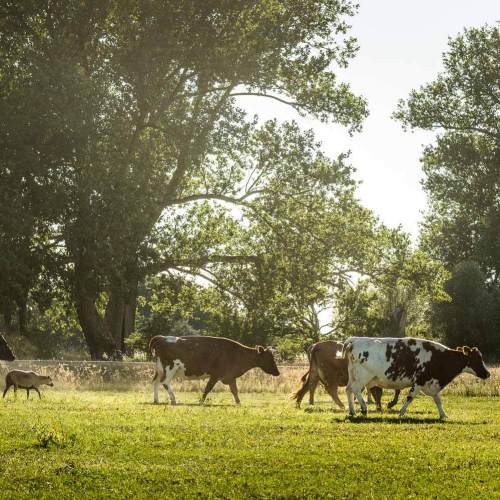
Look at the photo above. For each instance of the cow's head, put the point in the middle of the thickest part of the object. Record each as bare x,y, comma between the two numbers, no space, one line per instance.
265,360
47,380
475,364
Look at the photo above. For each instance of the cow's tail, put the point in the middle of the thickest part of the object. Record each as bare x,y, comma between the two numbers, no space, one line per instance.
301,392
154,345
299,395
347,349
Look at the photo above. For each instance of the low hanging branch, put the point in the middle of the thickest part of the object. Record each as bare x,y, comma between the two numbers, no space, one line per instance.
197,262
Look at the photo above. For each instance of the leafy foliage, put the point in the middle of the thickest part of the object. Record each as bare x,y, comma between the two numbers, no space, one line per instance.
462,181
462,170
473,314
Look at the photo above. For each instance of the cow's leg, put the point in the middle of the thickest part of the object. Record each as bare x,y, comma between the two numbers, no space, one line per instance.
439,405
210,385
358,392
369,399
27,393
356,389
349,392
234,391
156,380
350,400
376,392
313,383
411,396
171,395
333,391
7,387
167,381
395,399
36,389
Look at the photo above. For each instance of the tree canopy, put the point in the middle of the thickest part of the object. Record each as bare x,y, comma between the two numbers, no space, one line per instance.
462,181
462,169
125,117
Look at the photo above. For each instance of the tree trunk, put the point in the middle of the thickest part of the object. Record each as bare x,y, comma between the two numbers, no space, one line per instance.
22,314
6,309
94,328
97,337
120,315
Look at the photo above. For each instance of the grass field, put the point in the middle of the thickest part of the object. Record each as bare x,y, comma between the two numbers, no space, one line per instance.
118,445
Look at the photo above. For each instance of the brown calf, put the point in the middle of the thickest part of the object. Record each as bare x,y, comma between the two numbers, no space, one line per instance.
25,380
332,371
215,358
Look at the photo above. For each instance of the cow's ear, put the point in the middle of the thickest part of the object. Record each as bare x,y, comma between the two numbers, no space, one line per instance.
260,349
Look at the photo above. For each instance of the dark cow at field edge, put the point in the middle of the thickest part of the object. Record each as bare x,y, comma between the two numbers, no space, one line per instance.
215,358
327,367
5,352
396,363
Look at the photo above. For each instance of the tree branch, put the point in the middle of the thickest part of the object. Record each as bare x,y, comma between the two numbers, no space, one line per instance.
212,281
197,262
215,196
294,104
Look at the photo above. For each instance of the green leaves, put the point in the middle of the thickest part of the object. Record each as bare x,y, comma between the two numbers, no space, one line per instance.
462,169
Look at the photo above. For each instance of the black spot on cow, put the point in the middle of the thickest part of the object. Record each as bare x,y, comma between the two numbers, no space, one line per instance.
404,362
412,342
428,346
365,356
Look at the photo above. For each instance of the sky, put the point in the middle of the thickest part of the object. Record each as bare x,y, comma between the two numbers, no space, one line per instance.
401,46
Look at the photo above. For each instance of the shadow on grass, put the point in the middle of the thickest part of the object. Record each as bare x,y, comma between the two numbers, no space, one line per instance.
314,409
196,404
406,420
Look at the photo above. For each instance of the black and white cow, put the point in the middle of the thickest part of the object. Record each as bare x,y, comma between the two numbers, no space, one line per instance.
396,363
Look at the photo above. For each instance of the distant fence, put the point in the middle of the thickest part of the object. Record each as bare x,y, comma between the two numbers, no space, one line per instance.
124,375
128,375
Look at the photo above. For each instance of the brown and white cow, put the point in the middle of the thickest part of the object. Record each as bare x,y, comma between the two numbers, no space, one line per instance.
215,358
326,366
396,363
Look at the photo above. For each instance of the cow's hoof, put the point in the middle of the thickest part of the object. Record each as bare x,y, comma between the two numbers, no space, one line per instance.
443,417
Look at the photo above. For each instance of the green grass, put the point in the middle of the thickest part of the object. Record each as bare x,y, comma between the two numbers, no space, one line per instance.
118,445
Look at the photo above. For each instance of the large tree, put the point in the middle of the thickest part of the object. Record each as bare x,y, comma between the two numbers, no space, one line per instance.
125,114
462,168
462,181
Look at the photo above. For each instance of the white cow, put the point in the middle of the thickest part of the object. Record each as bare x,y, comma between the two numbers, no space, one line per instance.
396,363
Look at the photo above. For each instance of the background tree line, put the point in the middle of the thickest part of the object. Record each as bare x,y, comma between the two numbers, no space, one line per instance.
138,198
